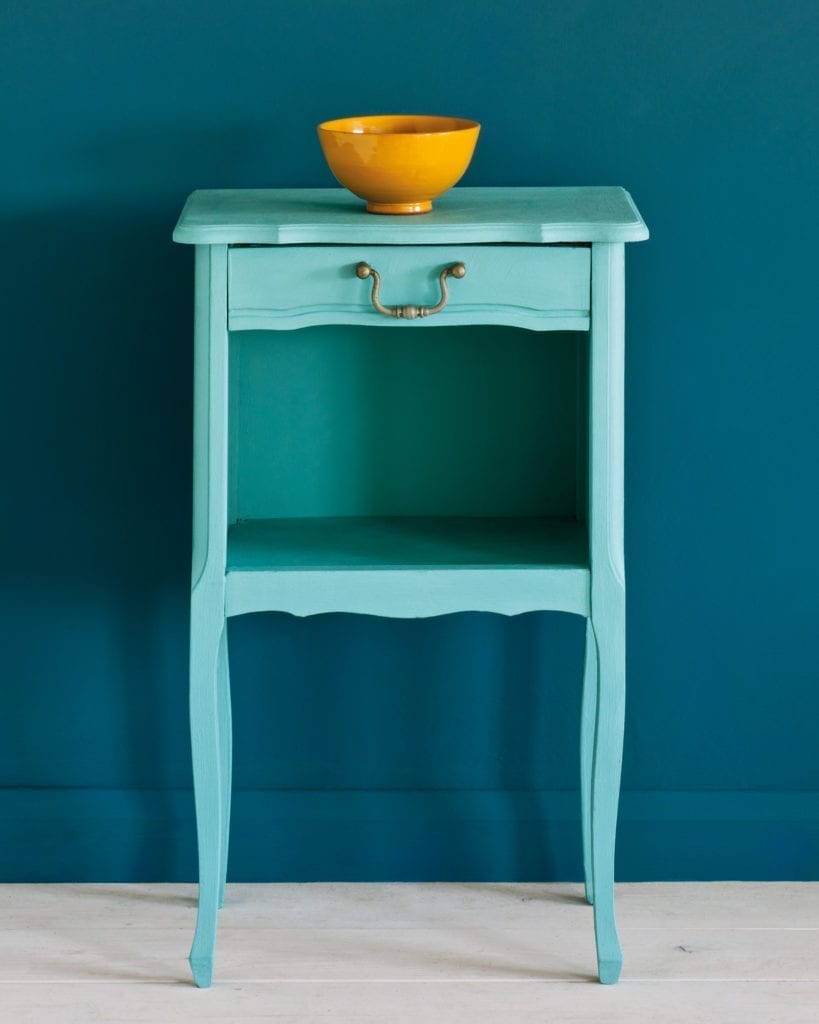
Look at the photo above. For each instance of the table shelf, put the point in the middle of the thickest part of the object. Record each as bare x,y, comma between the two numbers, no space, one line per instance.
408,566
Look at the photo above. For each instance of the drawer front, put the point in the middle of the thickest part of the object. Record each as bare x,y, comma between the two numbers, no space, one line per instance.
279,287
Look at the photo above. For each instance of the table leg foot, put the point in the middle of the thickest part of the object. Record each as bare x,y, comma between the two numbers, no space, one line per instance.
202,969
609,970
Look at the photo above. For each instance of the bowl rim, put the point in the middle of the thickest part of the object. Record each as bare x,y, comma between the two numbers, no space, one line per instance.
345,125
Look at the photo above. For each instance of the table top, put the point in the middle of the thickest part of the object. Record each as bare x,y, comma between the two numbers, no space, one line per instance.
464,215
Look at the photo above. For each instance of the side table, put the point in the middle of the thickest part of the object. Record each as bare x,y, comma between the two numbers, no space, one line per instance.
389,419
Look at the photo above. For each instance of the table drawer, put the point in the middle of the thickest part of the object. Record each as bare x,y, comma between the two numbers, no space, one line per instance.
279,287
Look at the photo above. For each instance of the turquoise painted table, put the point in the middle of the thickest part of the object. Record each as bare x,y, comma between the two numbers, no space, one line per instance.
409,417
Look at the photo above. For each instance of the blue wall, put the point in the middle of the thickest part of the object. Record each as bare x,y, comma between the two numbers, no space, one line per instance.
441,748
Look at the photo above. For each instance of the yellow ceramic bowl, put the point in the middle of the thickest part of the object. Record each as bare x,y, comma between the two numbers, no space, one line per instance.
399,163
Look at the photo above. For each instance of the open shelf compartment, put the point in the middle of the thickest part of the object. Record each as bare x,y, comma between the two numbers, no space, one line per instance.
407,473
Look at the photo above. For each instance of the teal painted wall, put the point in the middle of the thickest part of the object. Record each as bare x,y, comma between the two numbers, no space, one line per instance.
443,748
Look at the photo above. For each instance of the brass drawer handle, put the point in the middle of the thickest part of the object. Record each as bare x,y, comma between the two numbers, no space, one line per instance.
364,270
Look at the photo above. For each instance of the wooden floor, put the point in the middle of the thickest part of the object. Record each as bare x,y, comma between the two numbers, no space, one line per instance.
702,953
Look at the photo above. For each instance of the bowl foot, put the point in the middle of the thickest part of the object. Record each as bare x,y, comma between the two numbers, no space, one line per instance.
403,208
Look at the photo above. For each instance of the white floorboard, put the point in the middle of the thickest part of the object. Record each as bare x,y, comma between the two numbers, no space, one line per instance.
714,953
